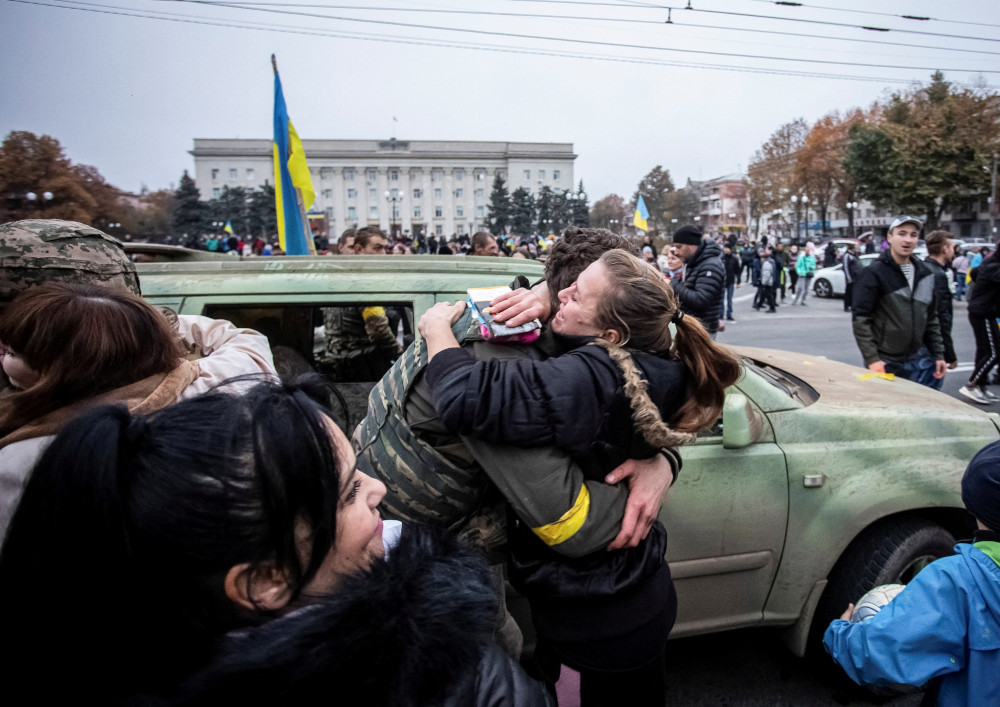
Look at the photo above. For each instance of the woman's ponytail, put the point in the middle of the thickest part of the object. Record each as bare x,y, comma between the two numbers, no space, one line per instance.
712,369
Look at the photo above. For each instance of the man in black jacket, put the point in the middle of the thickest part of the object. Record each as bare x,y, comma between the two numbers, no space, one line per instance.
733,266
984,309
895,317
852,266
940,251
700,288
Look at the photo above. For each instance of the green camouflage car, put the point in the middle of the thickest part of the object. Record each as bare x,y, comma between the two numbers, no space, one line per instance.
819,482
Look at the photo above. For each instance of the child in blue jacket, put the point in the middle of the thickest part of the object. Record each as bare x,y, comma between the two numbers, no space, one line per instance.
946,623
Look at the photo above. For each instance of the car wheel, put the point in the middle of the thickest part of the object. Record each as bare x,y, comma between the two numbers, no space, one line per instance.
823,288
891,552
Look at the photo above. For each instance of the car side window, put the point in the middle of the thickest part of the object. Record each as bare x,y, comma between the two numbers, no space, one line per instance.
352,345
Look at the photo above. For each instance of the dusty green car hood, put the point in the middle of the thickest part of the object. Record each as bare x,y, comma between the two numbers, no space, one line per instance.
854,405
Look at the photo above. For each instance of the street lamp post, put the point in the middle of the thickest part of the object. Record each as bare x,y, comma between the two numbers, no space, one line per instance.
393,198
805,215
851,205
46,196
776,216
795,206
613,224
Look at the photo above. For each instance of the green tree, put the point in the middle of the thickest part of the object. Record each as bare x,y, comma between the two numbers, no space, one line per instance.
545,211
37,166
107,199
233,207
580,213
191,214
924,152
655,189
683,205
609,212
499,208
771,172
522,212
150,218
263,215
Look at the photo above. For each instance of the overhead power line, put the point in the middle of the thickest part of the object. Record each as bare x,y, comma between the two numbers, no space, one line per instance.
589,18
420,41
688,8
571,40
874,12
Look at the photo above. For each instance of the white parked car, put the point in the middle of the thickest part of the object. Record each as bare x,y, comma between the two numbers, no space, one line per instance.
829,282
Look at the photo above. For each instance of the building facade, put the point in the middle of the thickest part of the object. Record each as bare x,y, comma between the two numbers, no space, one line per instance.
406,187
722,205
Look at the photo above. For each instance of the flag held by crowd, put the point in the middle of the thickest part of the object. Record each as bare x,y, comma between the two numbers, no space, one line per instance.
641,214
291,174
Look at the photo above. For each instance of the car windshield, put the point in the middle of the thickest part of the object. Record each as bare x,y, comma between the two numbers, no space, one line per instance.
791,385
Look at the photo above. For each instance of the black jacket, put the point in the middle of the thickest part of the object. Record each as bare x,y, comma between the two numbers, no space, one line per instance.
945,312
852,266
733,266
700,293
985,300
575,401
891,321
416,629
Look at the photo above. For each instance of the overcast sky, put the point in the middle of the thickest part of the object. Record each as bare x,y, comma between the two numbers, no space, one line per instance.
129,94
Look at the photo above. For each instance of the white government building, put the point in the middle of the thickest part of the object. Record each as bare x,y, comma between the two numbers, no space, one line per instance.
404,186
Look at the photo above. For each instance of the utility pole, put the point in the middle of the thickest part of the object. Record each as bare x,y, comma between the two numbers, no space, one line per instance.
993,198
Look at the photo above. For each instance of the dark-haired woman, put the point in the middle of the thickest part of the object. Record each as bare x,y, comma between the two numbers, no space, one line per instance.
624,388
226,550
67,347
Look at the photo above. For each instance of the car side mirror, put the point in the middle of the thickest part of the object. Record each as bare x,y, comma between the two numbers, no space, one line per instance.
737,424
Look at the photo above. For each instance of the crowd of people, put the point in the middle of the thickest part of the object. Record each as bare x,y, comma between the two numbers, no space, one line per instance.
479,243
181,526
901,304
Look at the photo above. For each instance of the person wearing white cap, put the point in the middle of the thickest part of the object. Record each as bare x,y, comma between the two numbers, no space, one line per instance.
894,314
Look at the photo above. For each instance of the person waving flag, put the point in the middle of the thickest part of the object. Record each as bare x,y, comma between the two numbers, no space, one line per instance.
293,187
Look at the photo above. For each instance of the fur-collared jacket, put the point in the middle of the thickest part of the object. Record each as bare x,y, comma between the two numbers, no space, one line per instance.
415,629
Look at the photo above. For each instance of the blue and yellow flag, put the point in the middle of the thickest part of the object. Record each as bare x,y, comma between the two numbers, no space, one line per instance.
290,173
229,228
641,214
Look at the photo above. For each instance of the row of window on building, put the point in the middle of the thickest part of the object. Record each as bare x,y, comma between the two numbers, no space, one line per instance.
371,175
418,213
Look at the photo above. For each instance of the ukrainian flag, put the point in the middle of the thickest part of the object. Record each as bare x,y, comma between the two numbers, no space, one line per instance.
229,228
290,173
641,214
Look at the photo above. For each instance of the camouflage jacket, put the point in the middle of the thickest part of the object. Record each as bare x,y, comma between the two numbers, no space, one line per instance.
434,476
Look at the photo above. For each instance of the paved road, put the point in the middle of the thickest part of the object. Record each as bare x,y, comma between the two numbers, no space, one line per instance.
752,667
823,328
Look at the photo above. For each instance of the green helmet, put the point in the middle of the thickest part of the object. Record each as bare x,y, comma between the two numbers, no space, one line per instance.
36,251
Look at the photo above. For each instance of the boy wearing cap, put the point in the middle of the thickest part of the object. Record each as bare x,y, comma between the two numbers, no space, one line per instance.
945,626
894,313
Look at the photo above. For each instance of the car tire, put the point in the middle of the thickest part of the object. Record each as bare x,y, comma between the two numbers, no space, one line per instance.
823,288
890,552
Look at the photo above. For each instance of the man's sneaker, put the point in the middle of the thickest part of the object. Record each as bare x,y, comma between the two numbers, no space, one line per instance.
974,394
988,394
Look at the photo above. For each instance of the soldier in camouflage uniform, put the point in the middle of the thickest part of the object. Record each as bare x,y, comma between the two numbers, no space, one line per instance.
36,251
360,346
434,476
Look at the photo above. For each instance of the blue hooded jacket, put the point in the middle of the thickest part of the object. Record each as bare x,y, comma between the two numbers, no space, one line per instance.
945,624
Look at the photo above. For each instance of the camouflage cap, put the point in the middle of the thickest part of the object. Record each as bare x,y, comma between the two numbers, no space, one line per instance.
36,251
